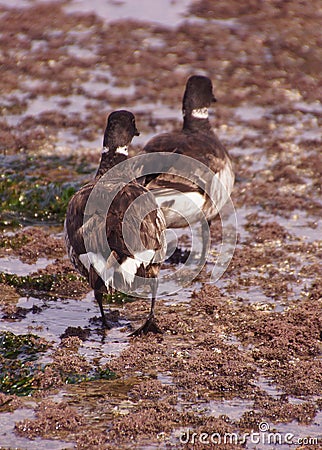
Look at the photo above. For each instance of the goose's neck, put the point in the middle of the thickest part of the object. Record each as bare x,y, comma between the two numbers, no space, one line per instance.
196,119
110,158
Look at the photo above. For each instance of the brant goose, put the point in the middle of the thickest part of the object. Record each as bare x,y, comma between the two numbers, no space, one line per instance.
95,221
182,199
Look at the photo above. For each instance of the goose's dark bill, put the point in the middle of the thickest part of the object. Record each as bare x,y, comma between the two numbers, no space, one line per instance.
95,241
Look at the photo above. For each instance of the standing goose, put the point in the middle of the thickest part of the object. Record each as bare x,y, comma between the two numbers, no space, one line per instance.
95,220
179,197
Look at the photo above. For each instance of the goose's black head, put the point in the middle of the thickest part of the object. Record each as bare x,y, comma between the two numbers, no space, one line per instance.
120,130
198,94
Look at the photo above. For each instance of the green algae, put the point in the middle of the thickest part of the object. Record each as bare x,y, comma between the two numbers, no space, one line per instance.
21,371
43,285
118,298
16,377
48,285
27,201
93,375
15,242
24,346
45,282
18,366
37,189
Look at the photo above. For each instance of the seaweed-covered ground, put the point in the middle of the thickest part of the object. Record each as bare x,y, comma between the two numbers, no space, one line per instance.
239,364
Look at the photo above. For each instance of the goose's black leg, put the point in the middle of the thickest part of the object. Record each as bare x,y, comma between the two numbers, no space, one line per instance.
97,284
149,326
205,230
99,299
106,323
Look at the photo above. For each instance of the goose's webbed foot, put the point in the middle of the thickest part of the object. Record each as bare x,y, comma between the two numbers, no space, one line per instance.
149,326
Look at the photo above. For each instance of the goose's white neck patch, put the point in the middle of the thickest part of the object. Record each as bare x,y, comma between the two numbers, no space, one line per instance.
105,150
122,150
201,113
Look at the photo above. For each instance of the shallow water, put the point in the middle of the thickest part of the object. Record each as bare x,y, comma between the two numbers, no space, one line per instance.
57,315
12,264
8,438
168,13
